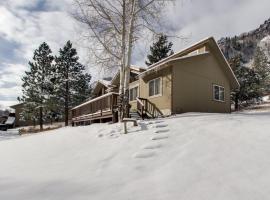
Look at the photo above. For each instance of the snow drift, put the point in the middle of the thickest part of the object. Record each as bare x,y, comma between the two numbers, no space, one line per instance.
191,156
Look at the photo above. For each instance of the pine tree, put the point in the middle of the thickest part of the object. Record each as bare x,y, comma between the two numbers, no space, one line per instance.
249,82
29,112
262,67
159,50
72,82
37,85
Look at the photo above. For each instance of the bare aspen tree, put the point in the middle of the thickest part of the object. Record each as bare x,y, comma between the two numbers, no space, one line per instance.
114,27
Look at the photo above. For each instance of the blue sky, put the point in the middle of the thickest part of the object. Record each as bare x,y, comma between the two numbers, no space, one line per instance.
24,24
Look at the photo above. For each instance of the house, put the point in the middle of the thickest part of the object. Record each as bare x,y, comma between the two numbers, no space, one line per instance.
196,79
103,107
18,110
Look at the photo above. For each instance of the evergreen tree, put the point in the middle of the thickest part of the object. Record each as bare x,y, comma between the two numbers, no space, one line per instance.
29,112
72,82
262,68
159,50
249,82
37,85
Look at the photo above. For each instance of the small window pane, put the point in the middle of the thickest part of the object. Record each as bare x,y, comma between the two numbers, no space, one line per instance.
135,95
221,94
216,92
130,95
157,86
151,88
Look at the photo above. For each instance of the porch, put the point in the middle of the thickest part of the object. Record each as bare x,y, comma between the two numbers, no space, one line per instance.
102,108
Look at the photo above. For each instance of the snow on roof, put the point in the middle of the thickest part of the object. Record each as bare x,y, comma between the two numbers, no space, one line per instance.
136,67
10,120
105,82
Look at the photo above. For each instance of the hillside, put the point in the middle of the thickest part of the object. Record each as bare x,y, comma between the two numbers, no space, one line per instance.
191,156
246,43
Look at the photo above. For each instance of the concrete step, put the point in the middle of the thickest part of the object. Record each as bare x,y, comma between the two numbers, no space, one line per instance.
134,115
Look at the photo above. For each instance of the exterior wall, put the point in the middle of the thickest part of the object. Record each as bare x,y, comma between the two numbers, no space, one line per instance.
163,101
193,80
18,110
18,122
134,103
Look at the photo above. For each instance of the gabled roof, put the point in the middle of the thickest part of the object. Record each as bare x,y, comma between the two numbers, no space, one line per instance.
135,69
16,105
101,83
105,82
184,54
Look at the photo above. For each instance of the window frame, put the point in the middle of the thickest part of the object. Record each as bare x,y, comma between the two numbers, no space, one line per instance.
219,93
154,86
132,88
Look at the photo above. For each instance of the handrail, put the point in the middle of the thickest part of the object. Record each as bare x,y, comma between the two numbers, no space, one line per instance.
93,100
140,107
139,101
144,106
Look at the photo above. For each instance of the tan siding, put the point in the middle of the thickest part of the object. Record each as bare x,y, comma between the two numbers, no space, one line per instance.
134,103
192,85
163,102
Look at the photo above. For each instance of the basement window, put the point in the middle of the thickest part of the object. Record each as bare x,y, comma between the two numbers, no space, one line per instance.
218,93
133,93
154,87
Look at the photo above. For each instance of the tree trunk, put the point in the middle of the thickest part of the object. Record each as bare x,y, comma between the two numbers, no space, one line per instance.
66,103
236,102
127,67
41,117
123,62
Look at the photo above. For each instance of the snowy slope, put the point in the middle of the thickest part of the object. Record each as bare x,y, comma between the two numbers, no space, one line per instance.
191,156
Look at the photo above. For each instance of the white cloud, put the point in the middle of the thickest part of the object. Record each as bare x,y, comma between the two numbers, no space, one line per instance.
199,19
29,29
10,81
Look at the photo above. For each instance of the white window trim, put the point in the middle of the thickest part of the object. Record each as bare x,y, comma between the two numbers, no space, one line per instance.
213,90
138,92
161,88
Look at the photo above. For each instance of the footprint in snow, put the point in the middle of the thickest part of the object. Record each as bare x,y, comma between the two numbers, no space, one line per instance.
152,146
145,154
153,122
158,122
159,137
162,131
159,125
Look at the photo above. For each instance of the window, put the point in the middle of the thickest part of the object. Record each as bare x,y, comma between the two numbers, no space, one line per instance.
133,93
218,93
154,87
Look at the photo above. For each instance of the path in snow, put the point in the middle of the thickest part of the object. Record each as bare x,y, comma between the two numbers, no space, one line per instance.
149,150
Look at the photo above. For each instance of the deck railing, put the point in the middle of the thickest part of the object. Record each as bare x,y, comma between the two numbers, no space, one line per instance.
97,106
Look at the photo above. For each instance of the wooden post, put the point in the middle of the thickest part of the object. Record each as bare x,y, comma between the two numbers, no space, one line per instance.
101,106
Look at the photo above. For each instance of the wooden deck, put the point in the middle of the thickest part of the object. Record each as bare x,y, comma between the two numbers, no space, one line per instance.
100,108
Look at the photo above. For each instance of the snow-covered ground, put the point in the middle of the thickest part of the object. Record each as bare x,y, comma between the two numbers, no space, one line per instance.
9,134
191,156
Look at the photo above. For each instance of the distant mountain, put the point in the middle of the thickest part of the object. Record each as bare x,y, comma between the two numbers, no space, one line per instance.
246,43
